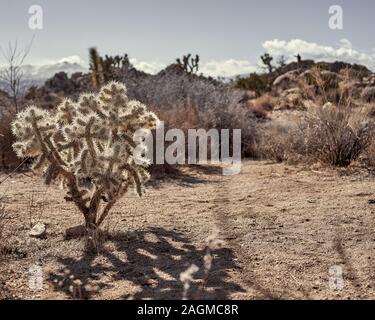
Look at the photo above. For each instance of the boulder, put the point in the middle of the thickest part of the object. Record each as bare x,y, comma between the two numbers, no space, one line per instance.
285,81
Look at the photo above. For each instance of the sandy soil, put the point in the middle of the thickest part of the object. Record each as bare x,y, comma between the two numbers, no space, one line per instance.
283,228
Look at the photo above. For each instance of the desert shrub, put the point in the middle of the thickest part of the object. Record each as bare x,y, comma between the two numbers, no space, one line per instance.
331,135
192,117
336,131
273,142
337,135
88,146
333,130
242,119
174,87
280,140
259,83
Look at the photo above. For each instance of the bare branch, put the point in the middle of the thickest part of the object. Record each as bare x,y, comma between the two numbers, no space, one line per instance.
12,74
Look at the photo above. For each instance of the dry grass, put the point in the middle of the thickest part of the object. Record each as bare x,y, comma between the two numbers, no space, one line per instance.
274,142
338,135
261,106
337,131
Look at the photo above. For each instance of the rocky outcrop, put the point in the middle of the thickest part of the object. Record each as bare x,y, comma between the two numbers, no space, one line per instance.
286,81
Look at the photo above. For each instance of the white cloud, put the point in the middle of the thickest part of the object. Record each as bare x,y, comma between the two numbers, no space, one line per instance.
227,68
214,68
148,67
309,50
70,59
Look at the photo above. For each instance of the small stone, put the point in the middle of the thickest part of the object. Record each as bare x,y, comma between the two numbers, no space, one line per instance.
38,231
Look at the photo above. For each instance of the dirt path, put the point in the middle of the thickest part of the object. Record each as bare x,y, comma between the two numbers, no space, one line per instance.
283,229
289,226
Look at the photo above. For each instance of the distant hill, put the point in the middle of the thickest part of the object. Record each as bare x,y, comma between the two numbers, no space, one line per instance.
308,64
37,75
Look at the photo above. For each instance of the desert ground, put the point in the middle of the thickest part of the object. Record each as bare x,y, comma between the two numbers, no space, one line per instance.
283,228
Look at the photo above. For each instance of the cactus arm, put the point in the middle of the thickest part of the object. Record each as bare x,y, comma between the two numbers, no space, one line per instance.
135,176
40,162
72,184
54,152
88,138
122,190
105,212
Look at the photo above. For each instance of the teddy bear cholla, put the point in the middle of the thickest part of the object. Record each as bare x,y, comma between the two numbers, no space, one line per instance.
87,145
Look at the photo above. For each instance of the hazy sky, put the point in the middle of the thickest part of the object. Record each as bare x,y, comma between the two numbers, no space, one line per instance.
229,35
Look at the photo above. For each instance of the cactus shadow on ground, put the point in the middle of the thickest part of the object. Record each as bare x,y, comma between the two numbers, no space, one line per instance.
149,262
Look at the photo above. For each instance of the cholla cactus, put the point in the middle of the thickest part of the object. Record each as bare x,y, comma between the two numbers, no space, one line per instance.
88,145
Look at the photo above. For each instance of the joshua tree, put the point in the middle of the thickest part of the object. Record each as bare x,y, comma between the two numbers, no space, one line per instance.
281,61
125,61
189,64
96,68
104,69
88,146
267,61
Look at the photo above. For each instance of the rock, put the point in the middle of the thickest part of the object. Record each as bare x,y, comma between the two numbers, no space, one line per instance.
290,99
306,74
329,74
38,231
295,90
285,81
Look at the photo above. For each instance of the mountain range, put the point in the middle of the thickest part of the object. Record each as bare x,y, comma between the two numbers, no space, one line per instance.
37,75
